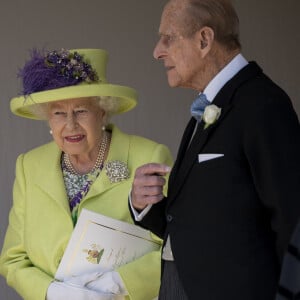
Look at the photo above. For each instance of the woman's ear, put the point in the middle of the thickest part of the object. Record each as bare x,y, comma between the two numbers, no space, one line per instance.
103,117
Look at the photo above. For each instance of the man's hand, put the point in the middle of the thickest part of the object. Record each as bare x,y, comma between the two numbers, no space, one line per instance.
148,185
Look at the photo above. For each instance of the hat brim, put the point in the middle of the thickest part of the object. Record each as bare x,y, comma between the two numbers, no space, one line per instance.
126,96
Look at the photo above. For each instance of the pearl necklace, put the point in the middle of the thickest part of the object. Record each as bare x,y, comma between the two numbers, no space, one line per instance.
99,161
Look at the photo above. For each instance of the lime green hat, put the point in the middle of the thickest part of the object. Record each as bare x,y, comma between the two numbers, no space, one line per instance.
68,74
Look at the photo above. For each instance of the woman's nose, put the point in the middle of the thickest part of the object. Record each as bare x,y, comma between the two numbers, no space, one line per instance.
71,121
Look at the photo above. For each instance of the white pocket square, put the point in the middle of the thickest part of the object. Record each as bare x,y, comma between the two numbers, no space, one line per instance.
208,156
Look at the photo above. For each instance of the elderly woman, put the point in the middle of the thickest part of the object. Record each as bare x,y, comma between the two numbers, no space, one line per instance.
89,165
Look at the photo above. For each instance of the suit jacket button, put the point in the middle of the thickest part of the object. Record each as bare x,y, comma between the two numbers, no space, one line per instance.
169,218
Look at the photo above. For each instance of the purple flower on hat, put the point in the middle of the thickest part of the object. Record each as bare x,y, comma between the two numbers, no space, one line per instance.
55,69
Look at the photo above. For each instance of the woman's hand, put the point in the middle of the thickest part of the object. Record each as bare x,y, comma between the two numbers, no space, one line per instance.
91,286
63,291
104,282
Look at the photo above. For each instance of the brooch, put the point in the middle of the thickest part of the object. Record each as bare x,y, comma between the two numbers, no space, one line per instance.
116,171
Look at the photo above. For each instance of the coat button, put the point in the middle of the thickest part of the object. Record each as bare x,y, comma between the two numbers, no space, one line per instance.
169,218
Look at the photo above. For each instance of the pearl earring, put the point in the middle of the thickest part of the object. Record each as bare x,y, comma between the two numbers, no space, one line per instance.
50,131
103,128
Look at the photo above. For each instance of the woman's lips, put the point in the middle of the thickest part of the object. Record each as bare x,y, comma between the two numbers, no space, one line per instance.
74,138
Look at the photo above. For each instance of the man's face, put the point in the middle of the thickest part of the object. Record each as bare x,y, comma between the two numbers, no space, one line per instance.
180,54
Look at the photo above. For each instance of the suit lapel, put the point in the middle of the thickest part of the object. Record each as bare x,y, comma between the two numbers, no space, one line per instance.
190,156
182,149
224,100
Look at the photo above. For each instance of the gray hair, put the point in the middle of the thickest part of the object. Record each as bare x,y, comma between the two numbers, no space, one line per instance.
109,104
219,15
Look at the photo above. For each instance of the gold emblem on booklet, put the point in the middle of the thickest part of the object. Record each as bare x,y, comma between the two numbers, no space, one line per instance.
94,254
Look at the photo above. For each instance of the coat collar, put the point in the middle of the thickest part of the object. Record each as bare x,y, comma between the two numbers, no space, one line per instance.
224,100
53,184
119,150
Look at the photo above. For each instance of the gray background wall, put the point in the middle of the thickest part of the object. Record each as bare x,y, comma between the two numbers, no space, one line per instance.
128,30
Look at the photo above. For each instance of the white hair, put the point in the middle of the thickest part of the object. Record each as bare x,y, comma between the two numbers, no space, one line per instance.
108,103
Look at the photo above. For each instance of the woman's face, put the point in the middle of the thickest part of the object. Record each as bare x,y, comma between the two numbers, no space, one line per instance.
76,125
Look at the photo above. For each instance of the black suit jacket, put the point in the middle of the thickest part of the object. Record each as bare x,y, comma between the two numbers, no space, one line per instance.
230,218
289,284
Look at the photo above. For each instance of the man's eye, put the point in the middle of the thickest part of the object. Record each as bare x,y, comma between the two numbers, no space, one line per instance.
167,39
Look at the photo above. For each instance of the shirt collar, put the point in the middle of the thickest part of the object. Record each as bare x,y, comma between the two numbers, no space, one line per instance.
231,69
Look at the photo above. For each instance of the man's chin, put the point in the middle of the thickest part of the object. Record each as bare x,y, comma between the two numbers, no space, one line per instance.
173,83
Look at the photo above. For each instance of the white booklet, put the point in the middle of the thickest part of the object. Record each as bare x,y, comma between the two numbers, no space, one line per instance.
101,243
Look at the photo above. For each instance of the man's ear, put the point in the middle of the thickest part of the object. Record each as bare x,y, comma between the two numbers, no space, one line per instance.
205,37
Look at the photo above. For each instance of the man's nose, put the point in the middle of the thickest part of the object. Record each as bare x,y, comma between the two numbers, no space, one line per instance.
159,51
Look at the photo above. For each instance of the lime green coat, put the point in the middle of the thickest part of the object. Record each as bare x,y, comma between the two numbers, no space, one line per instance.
40,222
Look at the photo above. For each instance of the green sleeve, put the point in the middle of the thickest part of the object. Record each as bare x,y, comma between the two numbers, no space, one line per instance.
30,282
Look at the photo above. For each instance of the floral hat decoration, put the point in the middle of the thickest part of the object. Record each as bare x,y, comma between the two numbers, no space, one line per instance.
67,74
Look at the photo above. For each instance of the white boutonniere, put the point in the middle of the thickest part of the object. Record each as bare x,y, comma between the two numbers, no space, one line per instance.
211,115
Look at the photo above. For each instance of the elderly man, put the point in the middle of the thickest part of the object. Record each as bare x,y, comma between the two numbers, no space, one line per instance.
233,195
